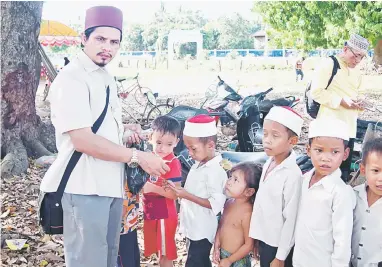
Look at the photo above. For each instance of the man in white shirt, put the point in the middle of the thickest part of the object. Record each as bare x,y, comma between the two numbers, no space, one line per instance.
92,202
324,222
275,209
367,229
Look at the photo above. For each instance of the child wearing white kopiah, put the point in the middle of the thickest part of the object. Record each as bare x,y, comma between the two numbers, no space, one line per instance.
275,209
325,216
202,197
367,229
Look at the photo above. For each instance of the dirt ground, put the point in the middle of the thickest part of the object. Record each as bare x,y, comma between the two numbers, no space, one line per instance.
19,194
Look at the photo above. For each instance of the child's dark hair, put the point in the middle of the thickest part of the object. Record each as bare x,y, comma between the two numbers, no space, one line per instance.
346,143
371,146
166,125
205,140
252,175
290,133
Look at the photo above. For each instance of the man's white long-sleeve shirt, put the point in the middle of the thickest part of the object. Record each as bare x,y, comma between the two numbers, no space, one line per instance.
324,223
275,209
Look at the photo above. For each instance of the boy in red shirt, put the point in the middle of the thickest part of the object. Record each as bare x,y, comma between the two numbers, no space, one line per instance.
160,216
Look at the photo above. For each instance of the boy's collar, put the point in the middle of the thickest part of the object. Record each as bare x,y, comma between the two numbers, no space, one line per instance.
362,193
214,160
169,156
288,161
329,181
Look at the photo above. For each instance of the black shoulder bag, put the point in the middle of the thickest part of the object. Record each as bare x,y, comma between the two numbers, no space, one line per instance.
51,213
312,107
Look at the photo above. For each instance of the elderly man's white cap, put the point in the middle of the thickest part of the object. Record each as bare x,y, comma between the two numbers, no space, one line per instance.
286,116
329,127
358,43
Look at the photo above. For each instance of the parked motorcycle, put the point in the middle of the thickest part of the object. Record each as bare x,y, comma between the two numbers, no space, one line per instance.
253,110
218,99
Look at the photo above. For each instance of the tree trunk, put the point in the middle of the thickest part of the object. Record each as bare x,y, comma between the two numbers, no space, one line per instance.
23,134
378,53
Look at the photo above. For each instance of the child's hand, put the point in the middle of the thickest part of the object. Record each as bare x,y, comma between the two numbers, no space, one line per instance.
277,263
168,185
216,254
225,263
149,188
256,250
179,191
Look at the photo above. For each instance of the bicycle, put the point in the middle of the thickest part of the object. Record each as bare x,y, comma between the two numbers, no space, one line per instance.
136,88
143,95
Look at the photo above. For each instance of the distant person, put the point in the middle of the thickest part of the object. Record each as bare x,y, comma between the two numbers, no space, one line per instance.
298,68
66,61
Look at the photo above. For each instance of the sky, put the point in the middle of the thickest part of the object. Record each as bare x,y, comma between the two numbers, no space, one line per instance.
143,11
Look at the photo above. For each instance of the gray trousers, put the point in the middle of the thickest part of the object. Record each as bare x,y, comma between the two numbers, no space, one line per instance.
92,227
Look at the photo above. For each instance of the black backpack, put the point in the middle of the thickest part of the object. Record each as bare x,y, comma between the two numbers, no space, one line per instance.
312,107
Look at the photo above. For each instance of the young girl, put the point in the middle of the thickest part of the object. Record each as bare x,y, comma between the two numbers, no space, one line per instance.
160,216
232,241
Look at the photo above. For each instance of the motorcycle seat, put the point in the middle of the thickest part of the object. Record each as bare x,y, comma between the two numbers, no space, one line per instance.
236,157
266,105
182,113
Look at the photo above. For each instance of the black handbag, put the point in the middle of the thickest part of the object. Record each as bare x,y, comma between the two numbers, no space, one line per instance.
51,213
136,178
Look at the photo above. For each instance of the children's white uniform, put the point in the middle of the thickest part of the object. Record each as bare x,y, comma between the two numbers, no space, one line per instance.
206,181
324,223
367,231
275,209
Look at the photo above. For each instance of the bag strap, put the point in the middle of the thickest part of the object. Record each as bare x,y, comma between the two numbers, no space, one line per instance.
336,66
76,155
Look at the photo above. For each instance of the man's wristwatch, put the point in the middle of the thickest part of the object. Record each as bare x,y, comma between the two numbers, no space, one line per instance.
134,162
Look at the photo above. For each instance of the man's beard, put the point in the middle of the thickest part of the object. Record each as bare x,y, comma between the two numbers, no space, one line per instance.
103,63
100,64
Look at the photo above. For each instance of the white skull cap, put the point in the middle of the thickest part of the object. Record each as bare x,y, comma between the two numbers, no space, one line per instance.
357,42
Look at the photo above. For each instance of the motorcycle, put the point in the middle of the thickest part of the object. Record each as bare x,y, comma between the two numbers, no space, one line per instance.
253,110
218,99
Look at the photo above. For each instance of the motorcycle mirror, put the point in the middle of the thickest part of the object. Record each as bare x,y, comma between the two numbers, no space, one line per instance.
211,92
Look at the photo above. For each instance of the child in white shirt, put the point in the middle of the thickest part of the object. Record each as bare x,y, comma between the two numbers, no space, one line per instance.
275,209
202,197
325,217
367,229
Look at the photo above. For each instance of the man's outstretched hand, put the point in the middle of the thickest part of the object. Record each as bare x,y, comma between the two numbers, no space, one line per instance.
152,164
